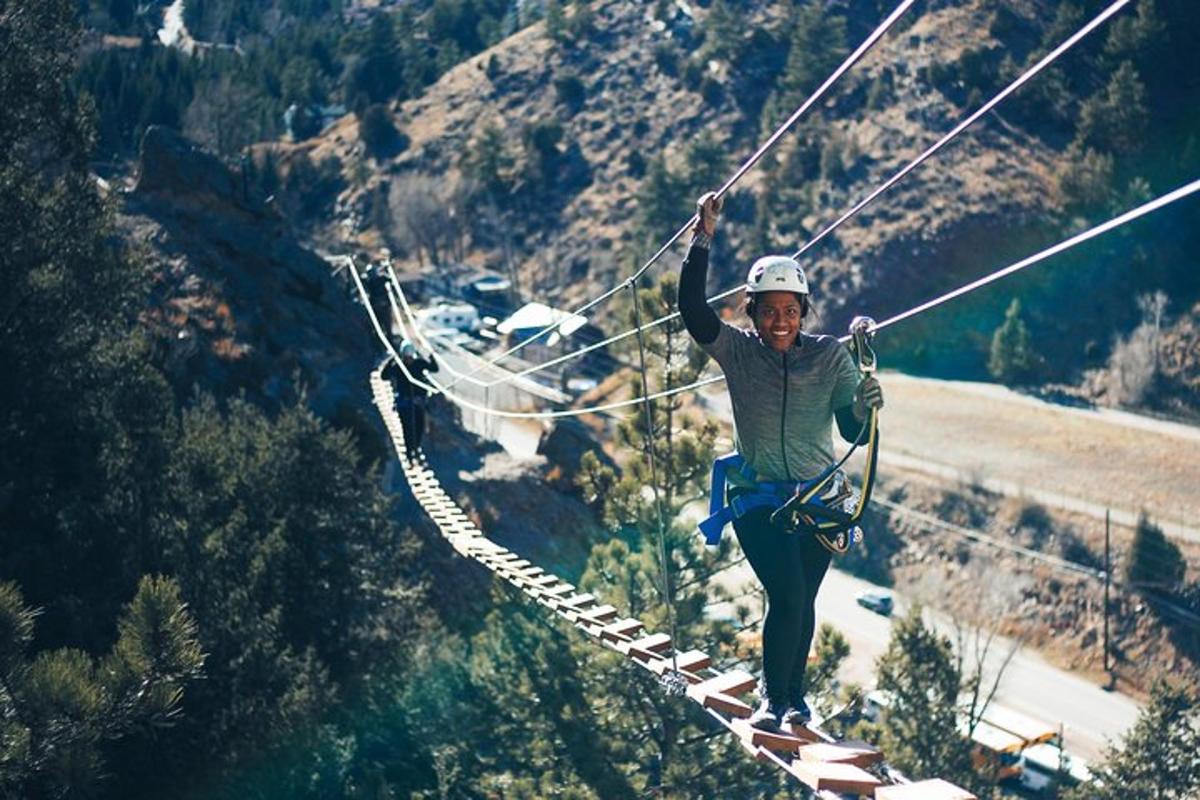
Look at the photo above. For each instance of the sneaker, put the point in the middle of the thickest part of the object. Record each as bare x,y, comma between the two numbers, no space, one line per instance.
768,716
798,713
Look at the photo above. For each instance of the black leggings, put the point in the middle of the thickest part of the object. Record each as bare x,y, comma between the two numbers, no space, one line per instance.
412,420
791,568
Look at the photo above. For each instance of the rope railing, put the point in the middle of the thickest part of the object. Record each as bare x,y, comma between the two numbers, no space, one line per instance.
746,166
1073,241
924,156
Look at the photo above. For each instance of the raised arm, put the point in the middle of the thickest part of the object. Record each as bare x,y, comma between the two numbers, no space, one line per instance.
700,320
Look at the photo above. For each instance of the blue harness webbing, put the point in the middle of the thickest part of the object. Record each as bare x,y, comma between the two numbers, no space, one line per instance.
772,494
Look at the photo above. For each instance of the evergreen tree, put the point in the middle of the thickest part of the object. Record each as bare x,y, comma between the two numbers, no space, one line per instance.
1160,757
1011,360
1155,562
59,708
556,24
662,203
1115,118
705,162
488,162
818,45
722,32
919,730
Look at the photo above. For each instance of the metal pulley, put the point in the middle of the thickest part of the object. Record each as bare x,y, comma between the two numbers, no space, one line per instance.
862,331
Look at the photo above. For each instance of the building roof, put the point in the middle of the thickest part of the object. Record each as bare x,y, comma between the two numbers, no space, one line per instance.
538,316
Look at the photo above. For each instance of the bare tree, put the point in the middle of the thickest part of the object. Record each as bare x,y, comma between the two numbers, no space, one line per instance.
427,217
1134,362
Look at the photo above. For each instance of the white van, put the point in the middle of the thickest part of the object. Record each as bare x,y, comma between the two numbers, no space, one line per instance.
1043,765
449,316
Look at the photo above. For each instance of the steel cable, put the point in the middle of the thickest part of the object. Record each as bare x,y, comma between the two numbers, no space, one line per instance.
849,62
1079,238
854,210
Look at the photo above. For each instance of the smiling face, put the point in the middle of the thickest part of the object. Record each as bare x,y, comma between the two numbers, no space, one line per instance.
777,317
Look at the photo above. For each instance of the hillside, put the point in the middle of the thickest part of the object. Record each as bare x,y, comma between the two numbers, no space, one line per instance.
566,160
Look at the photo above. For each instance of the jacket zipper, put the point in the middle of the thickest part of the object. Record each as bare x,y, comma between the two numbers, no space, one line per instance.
783,421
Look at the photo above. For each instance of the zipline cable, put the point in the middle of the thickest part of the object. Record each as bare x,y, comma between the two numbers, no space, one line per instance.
1097,21
854,210
1091,233
850,61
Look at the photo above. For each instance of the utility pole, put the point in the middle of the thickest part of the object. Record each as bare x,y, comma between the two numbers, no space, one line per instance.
1107,581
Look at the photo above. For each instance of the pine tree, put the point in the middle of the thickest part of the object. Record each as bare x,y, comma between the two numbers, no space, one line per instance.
662,203
488,162
59,707
1155,562
1160,757
818,45
1011,360
919,730
556,22
1115,118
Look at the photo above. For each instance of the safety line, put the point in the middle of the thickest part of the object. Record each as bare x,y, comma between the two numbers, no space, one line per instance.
850,61
1099,20
889,183
1079,238
1091,233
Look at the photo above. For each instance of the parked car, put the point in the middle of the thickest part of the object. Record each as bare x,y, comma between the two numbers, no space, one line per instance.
877,601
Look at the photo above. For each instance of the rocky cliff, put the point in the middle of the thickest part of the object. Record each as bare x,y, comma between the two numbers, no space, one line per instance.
238,305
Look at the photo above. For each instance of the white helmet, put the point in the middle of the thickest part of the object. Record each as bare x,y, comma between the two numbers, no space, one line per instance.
776,274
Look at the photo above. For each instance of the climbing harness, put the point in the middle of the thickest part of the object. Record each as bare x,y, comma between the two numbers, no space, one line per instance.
828,506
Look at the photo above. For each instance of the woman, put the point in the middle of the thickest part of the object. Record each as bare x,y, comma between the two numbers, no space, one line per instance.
410,398
787,387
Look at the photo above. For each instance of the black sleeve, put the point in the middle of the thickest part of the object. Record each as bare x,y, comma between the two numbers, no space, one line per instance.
429,364
700,320
848,425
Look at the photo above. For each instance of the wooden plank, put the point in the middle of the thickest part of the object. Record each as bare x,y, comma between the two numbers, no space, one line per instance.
860,754
598,614
806,733
661,666
734,682
621,629
934,789
690,661
822,776
559,592
779,742
724,703
580,601
544,581
650,647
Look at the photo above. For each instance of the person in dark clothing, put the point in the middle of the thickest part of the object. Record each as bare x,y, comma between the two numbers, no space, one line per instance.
411,398
787,387
376,285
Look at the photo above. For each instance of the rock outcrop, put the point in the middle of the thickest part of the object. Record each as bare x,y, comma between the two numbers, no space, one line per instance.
238,305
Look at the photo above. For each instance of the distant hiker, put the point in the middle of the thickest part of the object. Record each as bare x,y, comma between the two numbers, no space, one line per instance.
376,285
411,398
786,387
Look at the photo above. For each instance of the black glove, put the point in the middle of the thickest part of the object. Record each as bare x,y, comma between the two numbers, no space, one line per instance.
868,395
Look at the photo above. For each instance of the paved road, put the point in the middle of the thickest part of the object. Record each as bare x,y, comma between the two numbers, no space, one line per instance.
1091,716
